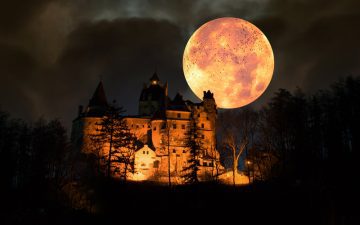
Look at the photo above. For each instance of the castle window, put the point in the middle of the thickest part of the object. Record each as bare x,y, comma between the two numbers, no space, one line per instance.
202,125
147,152
154,128
178,115
144,152
143,125
156,164
199,115
174,151
211,164
137,126
204,163
174,126
183,126
148,125
184,151
207,118
163,126
202,136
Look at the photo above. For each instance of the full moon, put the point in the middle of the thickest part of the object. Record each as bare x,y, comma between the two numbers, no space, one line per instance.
230,57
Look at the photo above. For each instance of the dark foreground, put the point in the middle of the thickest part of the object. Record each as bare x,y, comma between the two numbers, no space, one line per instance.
206,203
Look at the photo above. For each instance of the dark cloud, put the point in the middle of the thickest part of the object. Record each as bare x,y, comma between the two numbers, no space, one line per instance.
53,52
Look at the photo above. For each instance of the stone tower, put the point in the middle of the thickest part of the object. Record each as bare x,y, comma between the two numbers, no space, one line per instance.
86,121
153,97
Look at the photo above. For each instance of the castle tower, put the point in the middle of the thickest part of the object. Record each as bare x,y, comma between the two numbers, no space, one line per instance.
153,97
86,121
210,109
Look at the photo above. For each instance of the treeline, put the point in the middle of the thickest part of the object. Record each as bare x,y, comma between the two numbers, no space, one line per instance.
297,137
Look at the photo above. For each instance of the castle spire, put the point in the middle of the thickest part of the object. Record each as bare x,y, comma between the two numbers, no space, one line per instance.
154,79
99,97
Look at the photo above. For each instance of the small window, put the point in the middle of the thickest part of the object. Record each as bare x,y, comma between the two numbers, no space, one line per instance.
137,126
163,126
202,125
142,164
211,164
174,126
154,128
207,118
183,126
178,115
199,115
204,163
156,164
143,125
202,136
147,152
184,151
144,152
148,125
174,151
161,141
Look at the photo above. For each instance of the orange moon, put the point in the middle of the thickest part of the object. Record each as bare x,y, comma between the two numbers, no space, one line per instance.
230,57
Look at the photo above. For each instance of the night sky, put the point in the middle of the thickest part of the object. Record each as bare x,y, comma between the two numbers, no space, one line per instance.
53,53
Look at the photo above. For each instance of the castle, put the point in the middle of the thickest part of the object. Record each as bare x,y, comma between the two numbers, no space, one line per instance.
161,126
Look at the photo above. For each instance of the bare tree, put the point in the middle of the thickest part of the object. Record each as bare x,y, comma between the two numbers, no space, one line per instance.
238,132
166,139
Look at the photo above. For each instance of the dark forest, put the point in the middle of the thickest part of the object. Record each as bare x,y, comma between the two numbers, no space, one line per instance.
303,150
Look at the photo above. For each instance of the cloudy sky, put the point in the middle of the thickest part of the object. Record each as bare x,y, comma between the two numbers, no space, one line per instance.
53,53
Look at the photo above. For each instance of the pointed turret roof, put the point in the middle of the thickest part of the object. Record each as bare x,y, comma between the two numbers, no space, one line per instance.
154,77
99,97
98,103
178,103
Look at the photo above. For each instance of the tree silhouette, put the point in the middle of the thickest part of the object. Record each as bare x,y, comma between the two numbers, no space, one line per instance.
119,144
194,145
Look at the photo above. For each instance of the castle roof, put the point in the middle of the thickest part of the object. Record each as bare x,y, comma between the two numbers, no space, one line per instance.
98,103
178,103
152,93
154,77
99,97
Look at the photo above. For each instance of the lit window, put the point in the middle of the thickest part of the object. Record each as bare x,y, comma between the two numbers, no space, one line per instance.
183,126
